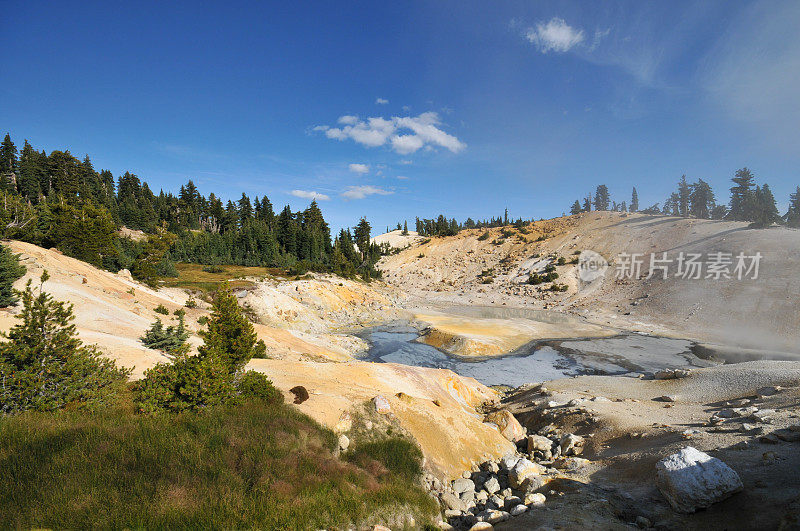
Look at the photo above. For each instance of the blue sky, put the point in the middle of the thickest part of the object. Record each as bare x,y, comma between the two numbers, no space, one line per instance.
397,110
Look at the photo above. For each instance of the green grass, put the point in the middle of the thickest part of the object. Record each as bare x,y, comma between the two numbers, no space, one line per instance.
249,466
192,277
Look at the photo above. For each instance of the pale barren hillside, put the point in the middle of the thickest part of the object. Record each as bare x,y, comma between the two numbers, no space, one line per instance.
753,314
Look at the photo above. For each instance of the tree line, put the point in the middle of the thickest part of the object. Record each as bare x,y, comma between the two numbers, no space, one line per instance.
748,202
56,200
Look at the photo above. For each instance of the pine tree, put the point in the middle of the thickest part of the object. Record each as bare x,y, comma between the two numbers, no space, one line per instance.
793,214
44,366
601,198
684,192
587,204
405,228
10,271
230,337
171,339
742,196
765,212
701,200
361,233
576,208
634,201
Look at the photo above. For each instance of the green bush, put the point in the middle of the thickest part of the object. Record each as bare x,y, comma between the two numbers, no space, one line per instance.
161,309
561,261
484,236
10,271
44,366
191,303
213,269
256,386
398,455
171,339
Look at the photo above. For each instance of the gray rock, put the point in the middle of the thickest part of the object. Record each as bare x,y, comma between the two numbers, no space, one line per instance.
521,471
670,374
508,461
468,498
518,510
450,501
481,526
768,391
463,485
539,443
481,497
491,467
769,438
788,435
496,501
571,444
492,485
381,404
344,442
643,523
691,480
535,499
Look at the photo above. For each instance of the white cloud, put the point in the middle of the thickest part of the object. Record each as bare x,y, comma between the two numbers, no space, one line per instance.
348,119
405,134
556,35
406,162
359,168
310,194
360,192
381,101
402,177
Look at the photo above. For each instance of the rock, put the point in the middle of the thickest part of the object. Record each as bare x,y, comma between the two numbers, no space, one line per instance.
518,510
600,399
535,499
492,485
769,458
552,403
769,438
539,443
450,501
571,444
671,374
574,465
495,517
444,526
691,433
300,394
512,501
523,470
344,442
768,391
509,426
381,405
763,415
691,480
642,522
380,528
481,526
666,398
463,485
468,498
496,502
482,497
452,513
750,428
508,461
787,435
491,467
344,424
124,273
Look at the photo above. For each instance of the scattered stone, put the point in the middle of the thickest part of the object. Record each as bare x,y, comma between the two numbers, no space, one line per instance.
535,499
511,502
481,526
381,404
379,527
518,510
492,485
509,461
643,523
481,497
491,467
552,403
523,470
769,438
691,480
763,415
600,399
450,501
571,444
509,426
344,442
344,424
769,458
300,394
750,428
671,374
691,433
463,485
575,465
539,443
468,498
768,391
666,398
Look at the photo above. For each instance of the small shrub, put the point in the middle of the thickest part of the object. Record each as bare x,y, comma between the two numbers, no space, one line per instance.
10,270
213,269
202,320
484,236
558,287
191,303
161,309
561,261
171,340
421,255
425,241
507,233
541,238
256,386
487,280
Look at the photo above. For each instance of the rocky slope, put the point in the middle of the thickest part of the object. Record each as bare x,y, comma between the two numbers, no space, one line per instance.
479,267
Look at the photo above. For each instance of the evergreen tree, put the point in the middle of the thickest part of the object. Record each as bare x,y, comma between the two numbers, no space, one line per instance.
793,214
601,198
44,366
361,233
10,271
230,337
701,200
765,212
405,228
576,208
634,201
171,339
8,156
742,196
587,204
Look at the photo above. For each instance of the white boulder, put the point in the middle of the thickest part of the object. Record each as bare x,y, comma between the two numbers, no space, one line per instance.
692,480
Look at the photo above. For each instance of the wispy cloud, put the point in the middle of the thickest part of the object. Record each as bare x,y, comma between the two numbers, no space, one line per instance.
555,35
310,194
381,101
360,192
405,135
361,169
